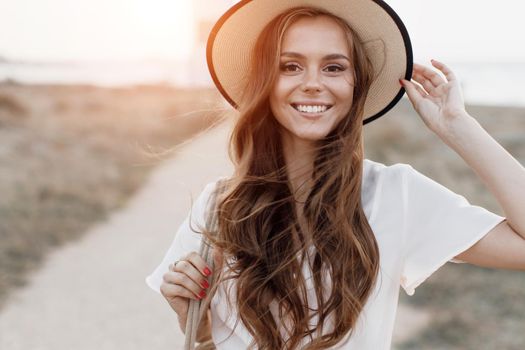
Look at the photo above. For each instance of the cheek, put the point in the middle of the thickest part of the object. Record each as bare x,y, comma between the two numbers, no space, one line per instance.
279,97
343,88
344,93
348,88
283,87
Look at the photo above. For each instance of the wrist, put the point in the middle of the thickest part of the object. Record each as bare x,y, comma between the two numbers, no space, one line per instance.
457,127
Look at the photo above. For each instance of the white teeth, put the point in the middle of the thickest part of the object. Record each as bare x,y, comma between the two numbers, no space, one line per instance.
311,109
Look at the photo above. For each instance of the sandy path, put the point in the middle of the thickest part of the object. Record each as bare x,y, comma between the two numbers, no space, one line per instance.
91,293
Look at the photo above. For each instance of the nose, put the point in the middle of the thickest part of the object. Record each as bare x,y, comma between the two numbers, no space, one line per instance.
312,81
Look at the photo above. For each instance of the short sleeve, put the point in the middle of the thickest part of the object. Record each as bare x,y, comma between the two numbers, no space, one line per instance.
439,224
187,237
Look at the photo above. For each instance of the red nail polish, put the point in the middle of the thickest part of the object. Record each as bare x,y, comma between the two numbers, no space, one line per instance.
205,284
207,271
202,294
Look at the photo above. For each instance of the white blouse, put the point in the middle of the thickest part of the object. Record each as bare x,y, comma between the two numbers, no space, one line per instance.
419,226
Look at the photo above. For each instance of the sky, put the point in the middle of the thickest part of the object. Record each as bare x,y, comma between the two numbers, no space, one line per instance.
62,30
57,30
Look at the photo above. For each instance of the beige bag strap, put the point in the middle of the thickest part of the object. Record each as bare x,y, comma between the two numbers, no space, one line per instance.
197,308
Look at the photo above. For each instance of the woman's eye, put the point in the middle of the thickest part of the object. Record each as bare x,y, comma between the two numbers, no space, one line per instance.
334,68
291,67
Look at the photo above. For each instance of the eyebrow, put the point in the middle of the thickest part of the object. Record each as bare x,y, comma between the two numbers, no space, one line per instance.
332,56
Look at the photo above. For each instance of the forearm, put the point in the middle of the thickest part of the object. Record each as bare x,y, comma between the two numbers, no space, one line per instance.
503,175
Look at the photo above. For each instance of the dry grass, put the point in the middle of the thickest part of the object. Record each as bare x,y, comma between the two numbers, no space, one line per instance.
72,154
473,307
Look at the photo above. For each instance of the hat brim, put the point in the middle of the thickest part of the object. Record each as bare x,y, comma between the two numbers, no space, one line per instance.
380,29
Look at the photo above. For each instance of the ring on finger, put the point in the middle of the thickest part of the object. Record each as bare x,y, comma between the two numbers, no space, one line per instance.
175,263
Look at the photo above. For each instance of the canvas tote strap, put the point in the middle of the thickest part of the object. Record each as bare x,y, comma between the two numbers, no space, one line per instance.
196,308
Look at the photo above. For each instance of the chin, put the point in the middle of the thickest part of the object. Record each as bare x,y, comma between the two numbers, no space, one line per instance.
311,137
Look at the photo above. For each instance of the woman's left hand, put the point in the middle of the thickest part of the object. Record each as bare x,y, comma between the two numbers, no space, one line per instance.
438,101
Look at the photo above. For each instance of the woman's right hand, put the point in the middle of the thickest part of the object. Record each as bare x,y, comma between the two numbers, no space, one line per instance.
187,279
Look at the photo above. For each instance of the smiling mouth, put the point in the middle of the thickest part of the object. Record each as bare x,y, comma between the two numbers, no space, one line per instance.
311,109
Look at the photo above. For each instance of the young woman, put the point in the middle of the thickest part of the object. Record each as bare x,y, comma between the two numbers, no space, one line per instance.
313,240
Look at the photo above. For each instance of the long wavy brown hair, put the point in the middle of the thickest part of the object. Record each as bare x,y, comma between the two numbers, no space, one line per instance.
259,233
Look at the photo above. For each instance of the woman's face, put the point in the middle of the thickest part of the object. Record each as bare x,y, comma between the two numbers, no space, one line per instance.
315,85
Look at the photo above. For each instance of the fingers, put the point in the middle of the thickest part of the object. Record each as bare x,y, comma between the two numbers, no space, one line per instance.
187,281
442,67
170,290
190,275
422,92
423,74
432,76
414,91
199,263
427,84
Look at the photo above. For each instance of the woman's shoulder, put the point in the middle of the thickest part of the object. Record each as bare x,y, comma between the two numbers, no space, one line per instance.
386,180
208,190
382,188
213,185
374,169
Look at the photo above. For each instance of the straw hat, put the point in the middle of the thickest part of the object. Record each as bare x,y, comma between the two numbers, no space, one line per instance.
381,30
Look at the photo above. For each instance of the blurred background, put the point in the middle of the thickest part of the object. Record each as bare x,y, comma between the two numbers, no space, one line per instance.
95,95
